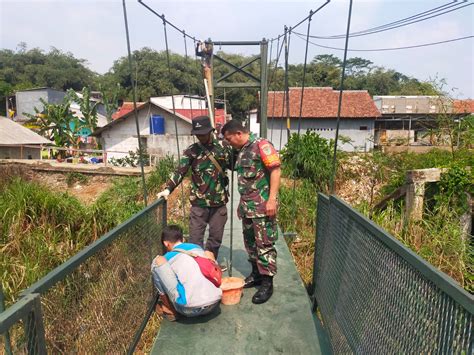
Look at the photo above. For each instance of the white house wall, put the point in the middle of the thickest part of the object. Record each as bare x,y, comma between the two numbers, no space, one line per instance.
361,140
121,138
160,145
254,125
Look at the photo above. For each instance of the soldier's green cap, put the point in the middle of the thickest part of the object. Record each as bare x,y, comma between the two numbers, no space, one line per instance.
201,125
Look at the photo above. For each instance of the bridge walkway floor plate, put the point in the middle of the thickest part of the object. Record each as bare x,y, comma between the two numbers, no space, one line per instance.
284,324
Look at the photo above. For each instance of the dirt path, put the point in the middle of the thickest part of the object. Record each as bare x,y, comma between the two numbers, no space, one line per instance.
86,189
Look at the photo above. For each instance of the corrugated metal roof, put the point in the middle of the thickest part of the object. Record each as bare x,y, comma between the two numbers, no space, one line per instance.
12,133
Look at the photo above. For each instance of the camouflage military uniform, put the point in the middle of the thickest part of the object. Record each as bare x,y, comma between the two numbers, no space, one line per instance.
260,231
208,195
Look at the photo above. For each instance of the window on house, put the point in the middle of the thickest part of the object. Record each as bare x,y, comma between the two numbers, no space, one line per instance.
363,128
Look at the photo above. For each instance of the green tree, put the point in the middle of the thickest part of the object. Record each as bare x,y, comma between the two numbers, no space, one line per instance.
110,100
357,65
466,132
25,69
152,76
55,69
55,122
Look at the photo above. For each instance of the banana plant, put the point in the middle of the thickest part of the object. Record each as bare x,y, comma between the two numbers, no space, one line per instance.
87,106
110,100
55,122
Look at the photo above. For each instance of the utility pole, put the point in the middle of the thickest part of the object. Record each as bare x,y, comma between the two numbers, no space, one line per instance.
205,51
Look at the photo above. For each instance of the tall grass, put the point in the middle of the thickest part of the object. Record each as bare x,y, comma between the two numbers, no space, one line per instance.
40,228
399,164
297,213
438,239
161,173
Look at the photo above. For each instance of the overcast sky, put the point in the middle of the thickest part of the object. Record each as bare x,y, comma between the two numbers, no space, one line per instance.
94,30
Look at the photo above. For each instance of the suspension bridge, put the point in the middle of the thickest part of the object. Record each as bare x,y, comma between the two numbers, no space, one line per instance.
369,293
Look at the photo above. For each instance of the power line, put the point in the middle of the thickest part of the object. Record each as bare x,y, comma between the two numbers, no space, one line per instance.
303,20
386,49
423,16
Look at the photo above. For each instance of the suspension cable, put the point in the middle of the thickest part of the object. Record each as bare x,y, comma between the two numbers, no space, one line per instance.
269,85
334,160
301,110
285,85
189,85
304,72
162,17
270,56
174,115
303,20
134,90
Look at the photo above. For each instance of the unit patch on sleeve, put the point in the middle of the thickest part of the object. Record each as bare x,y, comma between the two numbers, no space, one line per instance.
269,155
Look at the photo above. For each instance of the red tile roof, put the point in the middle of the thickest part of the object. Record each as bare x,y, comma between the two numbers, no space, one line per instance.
124,109
219,115
464,106
322,103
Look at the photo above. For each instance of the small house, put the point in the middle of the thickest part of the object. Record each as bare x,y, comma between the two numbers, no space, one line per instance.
319,114
18,142
158,127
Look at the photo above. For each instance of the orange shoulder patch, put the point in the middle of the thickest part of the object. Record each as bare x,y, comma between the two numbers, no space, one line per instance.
269,155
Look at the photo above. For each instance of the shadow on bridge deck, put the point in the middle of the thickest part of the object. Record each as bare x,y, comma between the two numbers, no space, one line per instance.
282,325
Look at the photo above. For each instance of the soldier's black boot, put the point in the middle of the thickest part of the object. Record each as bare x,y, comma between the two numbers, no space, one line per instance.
254,279
265,291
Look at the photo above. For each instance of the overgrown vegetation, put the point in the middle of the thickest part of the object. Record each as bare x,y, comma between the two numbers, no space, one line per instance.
297,213
132,159
395,166
41,229
308,157
438,238
75,177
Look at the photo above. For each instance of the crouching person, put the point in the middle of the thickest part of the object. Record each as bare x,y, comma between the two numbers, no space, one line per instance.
182,287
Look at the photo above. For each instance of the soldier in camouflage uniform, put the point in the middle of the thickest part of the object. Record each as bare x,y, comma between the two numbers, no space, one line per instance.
258,174
209,193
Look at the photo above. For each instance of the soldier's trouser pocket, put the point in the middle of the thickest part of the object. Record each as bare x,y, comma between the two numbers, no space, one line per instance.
260,235
266,228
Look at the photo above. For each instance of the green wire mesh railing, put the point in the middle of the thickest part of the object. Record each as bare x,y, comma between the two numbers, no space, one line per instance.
376,296
22,328
97,301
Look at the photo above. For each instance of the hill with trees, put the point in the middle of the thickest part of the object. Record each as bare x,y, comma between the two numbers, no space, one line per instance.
23,68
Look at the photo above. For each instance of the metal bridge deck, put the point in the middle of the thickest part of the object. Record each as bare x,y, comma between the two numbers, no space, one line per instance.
282,325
